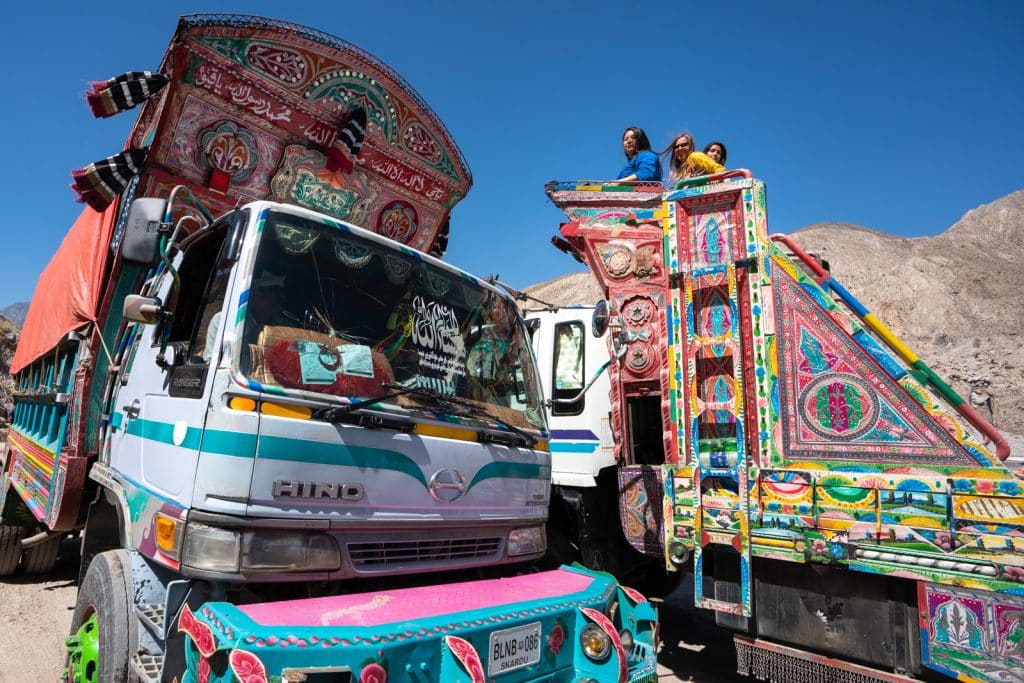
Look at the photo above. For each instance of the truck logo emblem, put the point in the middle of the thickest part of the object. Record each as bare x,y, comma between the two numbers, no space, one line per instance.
316,489
448,485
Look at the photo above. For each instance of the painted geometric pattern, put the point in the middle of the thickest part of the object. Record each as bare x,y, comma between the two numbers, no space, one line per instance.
31,471
835,403
712,226
186,150
640,506
340,77
979,634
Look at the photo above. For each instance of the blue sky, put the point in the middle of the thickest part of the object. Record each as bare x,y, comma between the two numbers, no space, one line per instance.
898,116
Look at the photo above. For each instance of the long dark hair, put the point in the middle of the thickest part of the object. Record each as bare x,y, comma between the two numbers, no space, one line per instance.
642,143
720,144
674,167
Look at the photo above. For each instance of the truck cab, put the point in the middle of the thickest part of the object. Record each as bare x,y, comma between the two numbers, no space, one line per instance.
312,400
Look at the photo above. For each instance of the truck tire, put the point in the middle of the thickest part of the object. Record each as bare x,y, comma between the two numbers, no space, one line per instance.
103,628
10,548
40,558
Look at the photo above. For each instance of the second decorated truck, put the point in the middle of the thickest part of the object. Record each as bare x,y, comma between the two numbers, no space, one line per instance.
839,505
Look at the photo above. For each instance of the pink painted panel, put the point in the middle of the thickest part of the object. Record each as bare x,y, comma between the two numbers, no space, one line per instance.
411,604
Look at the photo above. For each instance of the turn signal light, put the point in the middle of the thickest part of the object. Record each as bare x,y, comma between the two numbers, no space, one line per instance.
242,403
285,410
168,535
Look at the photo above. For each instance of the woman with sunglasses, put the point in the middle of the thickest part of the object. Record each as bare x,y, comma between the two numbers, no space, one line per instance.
686,163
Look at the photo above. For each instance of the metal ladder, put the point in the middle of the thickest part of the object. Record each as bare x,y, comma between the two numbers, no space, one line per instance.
716,435
711,247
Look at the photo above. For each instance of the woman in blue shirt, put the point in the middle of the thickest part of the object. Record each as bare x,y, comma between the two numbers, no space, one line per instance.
641,162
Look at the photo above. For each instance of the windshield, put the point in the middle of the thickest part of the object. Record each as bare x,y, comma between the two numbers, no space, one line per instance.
335,313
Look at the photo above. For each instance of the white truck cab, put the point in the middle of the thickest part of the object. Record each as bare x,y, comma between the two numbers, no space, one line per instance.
314,400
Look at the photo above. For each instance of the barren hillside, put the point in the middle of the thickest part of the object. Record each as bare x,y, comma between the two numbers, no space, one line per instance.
953,298
8,341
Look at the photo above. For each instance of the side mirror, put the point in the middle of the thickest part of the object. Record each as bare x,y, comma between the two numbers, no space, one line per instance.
599,321
142,309
142,231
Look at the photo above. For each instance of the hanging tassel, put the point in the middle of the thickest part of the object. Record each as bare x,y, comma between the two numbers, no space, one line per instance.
123,92
99,183
342,154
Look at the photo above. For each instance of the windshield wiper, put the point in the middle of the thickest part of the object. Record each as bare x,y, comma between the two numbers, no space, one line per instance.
473,410
335,414
446,403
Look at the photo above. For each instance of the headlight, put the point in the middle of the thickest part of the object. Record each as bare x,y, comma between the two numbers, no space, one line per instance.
595,642
527,541
626,638
225,550
270,551
211,548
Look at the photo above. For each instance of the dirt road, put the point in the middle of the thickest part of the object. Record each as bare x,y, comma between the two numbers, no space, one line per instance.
35,614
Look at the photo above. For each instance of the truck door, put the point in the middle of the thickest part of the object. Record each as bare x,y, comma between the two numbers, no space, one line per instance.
158,413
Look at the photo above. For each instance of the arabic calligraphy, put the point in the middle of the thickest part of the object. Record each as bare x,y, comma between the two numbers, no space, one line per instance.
239,93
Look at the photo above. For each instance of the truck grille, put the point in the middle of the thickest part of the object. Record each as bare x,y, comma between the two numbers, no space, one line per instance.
394,554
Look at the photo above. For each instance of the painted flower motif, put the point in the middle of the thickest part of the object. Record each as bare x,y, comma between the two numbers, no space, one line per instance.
984,486
373,673
200,633
556,639
203,675
1011,488
819,547
837,551
467,656
647,262
247,667
944,540
1014,573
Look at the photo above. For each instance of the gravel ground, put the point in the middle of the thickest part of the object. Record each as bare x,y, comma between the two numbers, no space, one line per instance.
35,615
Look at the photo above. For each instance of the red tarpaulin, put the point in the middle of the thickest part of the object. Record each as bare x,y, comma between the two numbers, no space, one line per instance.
68,292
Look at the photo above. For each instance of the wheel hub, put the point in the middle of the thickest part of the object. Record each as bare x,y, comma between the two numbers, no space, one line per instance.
83,652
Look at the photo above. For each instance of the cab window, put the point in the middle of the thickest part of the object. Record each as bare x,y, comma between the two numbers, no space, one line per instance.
568,368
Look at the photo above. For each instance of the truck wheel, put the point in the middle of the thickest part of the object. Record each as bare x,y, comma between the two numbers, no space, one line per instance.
103,635
40,558
10,548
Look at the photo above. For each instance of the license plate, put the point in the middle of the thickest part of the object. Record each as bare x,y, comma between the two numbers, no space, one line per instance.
513,648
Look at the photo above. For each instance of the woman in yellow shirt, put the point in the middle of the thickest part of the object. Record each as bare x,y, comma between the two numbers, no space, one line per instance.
686,163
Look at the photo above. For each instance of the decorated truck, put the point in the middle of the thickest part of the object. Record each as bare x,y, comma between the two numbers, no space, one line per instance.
839,505
250,390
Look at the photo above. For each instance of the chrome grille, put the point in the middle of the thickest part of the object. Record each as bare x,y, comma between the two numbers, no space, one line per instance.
393,554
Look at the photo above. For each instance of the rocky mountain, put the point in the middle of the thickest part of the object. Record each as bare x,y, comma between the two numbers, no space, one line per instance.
16,312
952,298
9,332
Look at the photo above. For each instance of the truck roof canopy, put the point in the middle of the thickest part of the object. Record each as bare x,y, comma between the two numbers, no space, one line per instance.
68,291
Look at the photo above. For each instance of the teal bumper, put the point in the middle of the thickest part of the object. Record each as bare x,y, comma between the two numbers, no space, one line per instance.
514,630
